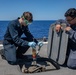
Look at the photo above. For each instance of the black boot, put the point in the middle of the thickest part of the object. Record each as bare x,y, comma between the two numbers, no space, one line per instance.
2,54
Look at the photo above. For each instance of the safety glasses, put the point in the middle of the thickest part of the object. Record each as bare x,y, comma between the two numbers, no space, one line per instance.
69,20
26,21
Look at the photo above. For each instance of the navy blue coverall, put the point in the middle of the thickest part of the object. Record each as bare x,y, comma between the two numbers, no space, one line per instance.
12,40
71,49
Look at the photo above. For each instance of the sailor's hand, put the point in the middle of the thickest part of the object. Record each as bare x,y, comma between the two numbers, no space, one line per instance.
68,28
58,27
40,44
32,44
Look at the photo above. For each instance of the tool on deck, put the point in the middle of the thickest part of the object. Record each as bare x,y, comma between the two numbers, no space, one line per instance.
34,56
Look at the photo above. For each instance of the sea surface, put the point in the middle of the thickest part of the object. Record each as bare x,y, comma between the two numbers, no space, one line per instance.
39,28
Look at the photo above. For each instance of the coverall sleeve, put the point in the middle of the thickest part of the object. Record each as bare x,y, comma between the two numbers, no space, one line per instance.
72,35
29,35
14,35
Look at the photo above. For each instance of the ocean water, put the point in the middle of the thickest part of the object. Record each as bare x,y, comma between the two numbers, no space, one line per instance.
39,29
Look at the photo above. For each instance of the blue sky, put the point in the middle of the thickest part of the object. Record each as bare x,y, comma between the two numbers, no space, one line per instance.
41,9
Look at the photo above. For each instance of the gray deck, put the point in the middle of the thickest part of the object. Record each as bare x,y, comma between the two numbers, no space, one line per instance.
6,69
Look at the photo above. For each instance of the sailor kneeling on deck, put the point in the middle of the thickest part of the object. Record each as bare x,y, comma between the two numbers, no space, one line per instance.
14,45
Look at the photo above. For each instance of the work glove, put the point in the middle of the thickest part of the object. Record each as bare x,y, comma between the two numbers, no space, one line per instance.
32,44
40,44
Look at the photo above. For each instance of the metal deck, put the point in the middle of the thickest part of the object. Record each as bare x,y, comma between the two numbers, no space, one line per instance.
6,69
